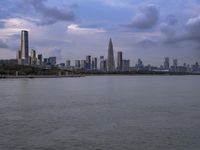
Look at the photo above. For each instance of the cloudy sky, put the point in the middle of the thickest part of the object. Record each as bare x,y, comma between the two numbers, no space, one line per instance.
72,29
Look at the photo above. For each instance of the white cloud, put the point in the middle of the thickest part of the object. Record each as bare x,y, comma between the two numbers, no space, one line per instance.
14,26
193,24
76,29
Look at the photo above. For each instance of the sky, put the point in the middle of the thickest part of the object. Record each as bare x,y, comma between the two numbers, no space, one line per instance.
72,29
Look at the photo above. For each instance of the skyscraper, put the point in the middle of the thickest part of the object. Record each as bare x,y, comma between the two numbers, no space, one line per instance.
174,68
52,61
25,47
88,62
83,64
166,63
68,64
125,65
33,59
110,60
77,64
94,63
18,57
139,65
119,61
45,61
103,64
175,62
39,59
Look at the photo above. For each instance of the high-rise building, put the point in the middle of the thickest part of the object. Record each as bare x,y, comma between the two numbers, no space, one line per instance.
110,60
33,53
174,68
33,59
18,57
52,61
46,61
39,59
166,63
68,63
77,64
195,67
83,64
119,61
94,63
24,47
88,62
103,64
175,63
18,54
125,65
139,65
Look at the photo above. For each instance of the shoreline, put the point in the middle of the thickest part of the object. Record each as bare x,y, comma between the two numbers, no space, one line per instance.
85,75
39,76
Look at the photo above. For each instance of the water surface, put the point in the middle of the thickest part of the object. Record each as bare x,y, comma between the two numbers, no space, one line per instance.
100,113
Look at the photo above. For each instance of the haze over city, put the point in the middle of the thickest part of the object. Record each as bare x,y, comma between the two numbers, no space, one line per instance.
150,30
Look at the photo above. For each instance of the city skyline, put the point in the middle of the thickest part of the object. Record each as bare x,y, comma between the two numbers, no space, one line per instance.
91,63
23,57
73,29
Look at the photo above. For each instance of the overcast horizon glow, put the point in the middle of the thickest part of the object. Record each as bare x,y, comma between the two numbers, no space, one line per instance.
72,29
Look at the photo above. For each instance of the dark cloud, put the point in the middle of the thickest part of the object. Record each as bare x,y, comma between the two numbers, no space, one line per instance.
172,20
36,11
12,9
50,15
189,32
168,30
192,31
3,44
147,18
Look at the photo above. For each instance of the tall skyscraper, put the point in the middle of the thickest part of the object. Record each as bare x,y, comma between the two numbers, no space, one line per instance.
110,60
25,47
166,63
119,61
88,62
39,59
94,63
18,57
174,68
